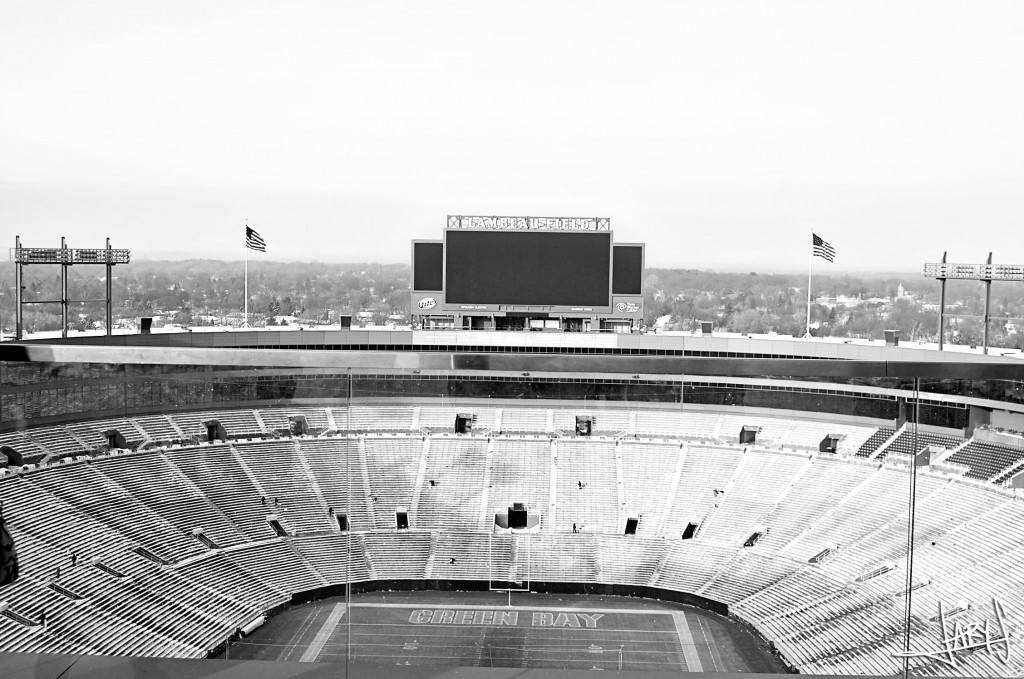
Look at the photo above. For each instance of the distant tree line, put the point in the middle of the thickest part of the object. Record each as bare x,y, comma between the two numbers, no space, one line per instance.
203,291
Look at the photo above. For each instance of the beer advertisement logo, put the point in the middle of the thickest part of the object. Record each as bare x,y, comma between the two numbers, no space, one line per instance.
427,303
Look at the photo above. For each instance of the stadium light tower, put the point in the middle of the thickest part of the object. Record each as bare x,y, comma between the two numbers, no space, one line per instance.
986,273
65,257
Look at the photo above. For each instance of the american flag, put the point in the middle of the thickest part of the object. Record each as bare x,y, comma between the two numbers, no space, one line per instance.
254,241
822,248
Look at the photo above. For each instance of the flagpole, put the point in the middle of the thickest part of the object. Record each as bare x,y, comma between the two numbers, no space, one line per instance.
245,318
810,263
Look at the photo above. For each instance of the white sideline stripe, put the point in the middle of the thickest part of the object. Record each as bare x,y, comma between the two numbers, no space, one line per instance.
686,641
476,607
320,640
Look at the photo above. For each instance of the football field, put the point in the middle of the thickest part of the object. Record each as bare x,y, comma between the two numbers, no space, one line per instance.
481,629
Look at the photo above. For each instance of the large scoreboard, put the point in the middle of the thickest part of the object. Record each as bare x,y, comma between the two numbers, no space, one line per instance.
568,269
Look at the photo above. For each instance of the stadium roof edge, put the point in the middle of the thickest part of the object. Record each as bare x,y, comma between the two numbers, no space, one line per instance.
994,368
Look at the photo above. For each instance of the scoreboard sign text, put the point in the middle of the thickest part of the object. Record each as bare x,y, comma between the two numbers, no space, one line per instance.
530,223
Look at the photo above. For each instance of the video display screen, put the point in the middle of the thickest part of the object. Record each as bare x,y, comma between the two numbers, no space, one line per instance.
627,270
564,268
427,266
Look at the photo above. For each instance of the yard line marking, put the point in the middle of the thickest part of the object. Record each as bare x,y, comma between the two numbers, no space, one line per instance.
712,649
476,607
324,634
686,641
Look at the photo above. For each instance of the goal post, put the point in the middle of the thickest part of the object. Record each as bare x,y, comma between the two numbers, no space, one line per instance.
519,570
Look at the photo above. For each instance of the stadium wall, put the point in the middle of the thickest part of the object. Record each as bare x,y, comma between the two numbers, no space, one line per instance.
56,383
54,393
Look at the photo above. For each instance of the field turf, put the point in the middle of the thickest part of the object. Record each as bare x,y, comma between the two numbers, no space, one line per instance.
480,629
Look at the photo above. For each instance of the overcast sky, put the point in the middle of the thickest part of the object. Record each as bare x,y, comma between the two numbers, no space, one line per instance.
719,133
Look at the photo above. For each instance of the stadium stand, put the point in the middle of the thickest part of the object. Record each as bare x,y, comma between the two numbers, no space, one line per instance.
512,460
289,485
277,564
179,596
340,473
688,565
875,441
393,469
705,473
30,450
379,418
222,573
677,425
632,562
219,474
907,443
159,429
469,556
277,419
587,486
443,419
606,422
743,575
648,470
526,420
60,442
167,492
399,557
452,491
553,557
760,482
808,435
94,431
236,423
337,558
820,488
986,460
92,493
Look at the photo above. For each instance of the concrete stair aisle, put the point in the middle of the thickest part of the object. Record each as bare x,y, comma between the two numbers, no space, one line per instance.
673,487
368,498
656,573
259,421
429,569
313,484
888,442
485,521
553,511
620,485
709,521
418,488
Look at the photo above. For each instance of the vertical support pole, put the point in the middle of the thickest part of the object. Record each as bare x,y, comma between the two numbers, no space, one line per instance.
110,293
988,300
353,443
942,304
911,517
810,263
17,291
63,287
